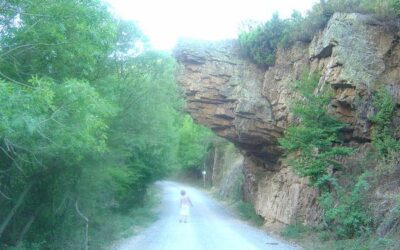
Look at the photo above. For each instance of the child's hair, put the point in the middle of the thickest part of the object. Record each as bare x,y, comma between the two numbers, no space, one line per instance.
183,192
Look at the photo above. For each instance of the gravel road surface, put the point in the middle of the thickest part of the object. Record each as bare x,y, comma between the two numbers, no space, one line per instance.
209,227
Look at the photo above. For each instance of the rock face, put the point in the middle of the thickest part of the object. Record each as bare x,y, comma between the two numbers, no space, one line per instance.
356,53
250,106
226,170
223,92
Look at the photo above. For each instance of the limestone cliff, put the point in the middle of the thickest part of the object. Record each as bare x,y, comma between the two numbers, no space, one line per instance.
248,105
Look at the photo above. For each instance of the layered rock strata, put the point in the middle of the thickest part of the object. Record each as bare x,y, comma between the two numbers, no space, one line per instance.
223,92
249,106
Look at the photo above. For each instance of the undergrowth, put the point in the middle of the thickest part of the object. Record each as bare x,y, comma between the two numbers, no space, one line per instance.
126,225
246,212
295,230
344,179
313,238
118,225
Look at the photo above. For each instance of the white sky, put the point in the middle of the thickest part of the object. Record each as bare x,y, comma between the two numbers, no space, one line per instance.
164,21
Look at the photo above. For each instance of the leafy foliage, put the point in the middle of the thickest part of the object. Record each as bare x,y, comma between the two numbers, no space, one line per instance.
60,39
261,42
89,118
383,132
193,144
314,148
345,212
315,139
294,230
49,131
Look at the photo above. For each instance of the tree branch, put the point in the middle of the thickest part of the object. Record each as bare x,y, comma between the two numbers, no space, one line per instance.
5,196
87,224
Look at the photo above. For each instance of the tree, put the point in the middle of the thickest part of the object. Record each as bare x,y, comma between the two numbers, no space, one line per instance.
89,119
315,138
59,39
194,141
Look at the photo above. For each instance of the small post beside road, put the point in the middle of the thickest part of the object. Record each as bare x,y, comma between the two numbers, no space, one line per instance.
204,178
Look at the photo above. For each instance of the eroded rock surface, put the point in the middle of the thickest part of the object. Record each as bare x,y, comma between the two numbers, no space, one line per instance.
356,54
223,92
249,106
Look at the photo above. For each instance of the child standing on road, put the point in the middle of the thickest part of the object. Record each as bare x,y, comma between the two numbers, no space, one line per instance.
185,203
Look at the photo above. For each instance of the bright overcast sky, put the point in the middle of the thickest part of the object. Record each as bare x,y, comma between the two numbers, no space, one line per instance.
164,21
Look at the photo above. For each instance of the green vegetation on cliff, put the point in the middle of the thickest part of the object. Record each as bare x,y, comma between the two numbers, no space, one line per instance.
383,135
351,182
314,150
315,138
342,175
260,43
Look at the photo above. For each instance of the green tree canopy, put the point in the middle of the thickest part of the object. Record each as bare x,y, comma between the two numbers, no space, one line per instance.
89,118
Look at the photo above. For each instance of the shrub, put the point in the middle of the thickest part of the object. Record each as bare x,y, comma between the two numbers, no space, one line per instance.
383,132
294,231
314,139
314,148
246,211
345,211
262,42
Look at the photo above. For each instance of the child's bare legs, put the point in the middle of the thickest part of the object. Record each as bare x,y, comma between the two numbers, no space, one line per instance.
183,218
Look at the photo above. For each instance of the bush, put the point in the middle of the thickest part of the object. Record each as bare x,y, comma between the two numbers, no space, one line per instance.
387,8
262,42
314,149
247,212
294,231
383,132
345,211
315,138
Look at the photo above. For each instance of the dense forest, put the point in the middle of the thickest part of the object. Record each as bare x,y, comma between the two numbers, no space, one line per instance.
90,117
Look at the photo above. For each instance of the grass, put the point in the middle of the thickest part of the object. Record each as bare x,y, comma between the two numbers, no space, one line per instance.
127,225
294,231
117,226
368,243
141,217
317,239
246,212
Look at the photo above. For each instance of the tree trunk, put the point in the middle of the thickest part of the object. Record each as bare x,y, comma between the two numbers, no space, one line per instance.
28,226
87,225
15,208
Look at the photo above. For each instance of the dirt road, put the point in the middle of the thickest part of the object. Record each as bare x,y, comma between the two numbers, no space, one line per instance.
210,227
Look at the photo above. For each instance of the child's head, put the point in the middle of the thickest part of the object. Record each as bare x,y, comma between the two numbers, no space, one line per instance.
183,192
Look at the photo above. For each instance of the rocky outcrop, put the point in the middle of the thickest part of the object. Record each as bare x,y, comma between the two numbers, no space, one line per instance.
223,92
226,170
249,105
282,196
357,53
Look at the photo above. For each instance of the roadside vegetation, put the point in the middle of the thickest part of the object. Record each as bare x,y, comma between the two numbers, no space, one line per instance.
90,117
228,181
242,209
